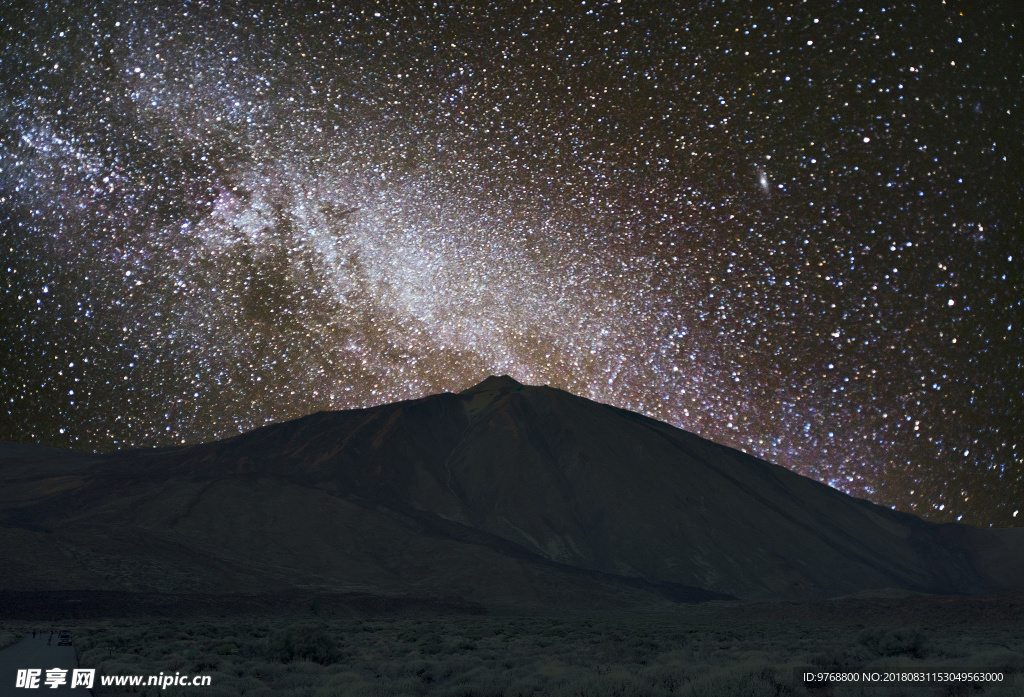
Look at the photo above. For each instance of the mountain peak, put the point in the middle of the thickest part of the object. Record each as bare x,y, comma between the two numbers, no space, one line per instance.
494,383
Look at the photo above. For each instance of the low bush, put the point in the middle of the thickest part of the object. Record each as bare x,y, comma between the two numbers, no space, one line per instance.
733,683
893,641
303,642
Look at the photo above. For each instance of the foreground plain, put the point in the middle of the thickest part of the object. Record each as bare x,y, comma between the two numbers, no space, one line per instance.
720,648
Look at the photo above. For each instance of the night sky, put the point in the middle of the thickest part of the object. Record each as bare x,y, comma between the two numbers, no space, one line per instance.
795,229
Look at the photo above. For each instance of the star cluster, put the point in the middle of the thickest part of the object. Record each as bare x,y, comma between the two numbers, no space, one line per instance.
793,228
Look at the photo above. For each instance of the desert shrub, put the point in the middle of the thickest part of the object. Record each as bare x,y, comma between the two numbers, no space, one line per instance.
609,652
431,644
893,641
739,682
605,686
704,648
445,669
840,657
465,644
403,687
204,664
174,662
644,645
214,690
303,642
207,629
949,647
9,636
265,672
999,659
467,690
1007,690
668,676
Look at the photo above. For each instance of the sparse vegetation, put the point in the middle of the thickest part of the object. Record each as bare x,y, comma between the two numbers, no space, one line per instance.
9,636
889,641
692,653
303,643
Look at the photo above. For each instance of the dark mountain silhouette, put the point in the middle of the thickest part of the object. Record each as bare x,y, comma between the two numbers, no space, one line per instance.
502,493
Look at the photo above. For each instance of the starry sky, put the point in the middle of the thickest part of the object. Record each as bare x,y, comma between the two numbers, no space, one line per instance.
791,227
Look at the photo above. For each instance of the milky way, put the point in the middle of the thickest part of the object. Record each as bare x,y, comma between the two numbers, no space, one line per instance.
795,230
